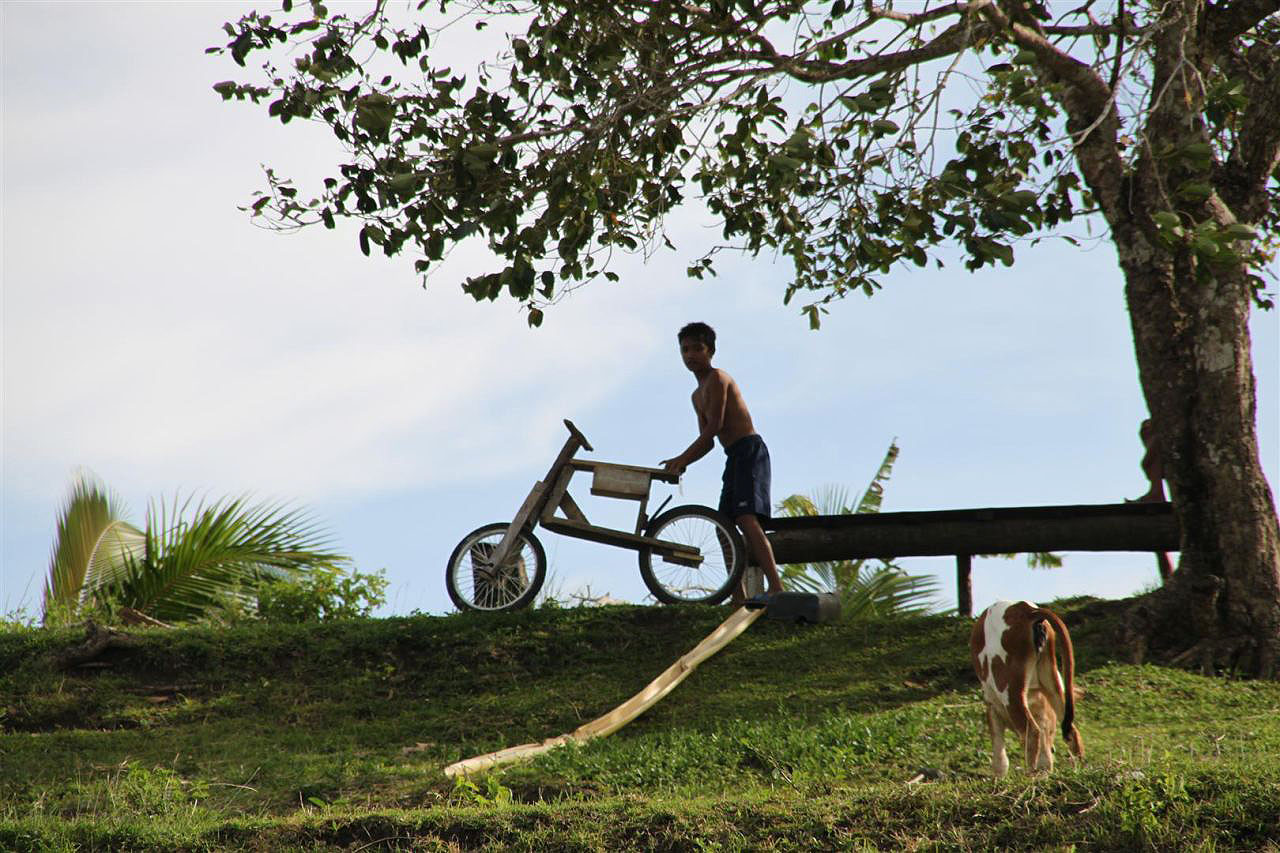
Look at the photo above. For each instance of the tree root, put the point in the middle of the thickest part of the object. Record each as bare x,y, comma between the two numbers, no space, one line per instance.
98,639
1180,625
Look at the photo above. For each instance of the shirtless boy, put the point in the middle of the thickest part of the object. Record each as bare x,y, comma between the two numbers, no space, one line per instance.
722,414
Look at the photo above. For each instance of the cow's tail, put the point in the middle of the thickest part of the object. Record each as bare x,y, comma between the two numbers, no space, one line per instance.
1069,732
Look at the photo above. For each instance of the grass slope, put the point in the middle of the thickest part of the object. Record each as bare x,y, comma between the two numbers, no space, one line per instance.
334,736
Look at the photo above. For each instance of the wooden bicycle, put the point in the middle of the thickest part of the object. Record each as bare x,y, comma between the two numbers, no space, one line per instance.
688,554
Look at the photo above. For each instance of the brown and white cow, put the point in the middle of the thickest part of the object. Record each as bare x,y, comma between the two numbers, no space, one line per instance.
1013,646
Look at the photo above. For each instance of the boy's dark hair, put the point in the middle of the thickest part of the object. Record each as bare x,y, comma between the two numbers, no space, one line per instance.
699,332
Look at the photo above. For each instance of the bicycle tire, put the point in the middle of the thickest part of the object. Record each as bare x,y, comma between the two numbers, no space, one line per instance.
723,551
474,584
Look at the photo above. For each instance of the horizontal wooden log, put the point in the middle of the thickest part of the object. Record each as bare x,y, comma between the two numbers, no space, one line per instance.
999,530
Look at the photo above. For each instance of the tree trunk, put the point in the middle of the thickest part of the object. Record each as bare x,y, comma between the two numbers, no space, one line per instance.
1189,317
1194,360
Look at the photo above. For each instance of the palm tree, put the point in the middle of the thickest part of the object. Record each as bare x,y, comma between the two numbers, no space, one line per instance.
188,561
883,589
866,590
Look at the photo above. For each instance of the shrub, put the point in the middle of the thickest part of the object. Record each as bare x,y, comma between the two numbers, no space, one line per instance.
322,595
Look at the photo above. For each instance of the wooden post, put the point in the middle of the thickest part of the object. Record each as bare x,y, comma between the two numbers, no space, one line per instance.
964,584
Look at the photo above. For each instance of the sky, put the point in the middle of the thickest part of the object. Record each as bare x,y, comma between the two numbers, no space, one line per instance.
156,337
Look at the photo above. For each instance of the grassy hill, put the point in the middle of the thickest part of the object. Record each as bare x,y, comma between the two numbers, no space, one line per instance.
334,736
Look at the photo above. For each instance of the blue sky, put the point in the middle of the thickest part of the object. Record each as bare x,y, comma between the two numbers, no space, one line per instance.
155,336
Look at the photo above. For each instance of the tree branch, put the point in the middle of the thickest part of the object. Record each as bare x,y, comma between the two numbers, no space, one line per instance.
1256,153
953,40
915,20
1226,22
1090,106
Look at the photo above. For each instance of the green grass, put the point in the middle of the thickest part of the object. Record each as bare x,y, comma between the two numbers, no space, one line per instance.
334,736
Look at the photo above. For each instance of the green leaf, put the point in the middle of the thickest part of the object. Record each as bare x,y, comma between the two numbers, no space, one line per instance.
1194,190
1239,231
1020,198
375,113
92,544
1197,151
1205,245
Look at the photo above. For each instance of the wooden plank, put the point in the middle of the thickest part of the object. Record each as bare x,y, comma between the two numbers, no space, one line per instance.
570,508
556,496
620,481
656,473
527,509
565,457
608,536
609,723
1101,527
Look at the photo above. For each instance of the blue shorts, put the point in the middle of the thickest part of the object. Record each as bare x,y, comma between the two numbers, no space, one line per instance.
747,476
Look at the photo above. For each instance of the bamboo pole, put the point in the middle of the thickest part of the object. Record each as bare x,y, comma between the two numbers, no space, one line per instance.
606,725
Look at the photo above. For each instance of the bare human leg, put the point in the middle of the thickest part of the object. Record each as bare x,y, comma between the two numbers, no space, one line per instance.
761,550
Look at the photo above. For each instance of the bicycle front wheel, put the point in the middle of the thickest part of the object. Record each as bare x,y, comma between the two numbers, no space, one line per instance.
476,583
724,556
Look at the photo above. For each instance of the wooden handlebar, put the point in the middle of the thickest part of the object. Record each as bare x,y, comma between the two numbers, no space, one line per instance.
582,439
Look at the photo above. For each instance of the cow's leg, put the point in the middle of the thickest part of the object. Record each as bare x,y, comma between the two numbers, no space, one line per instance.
1040,733
999,756
1023,722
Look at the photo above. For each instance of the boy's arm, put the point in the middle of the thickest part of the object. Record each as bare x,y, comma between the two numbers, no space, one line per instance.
710,422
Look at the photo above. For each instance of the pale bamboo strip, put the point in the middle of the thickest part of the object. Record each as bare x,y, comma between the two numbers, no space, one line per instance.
606,725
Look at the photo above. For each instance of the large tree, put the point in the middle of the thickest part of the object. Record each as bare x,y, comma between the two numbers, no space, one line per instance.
850,137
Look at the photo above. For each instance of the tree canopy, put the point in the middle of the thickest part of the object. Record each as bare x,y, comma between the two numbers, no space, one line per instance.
847,136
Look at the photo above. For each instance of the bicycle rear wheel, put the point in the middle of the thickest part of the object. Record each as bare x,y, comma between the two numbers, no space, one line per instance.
476,583
724,556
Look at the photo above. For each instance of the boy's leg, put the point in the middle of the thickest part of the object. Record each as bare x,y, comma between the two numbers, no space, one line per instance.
760,549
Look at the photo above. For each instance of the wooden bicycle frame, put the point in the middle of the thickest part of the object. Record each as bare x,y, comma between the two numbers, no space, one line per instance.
551,495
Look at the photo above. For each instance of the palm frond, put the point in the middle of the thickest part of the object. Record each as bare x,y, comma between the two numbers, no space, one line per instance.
874,495
93,541
199,556
882,590
886,591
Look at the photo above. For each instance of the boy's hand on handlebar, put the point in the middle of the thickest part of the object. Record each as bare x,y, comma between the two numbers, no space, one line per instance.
673,466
